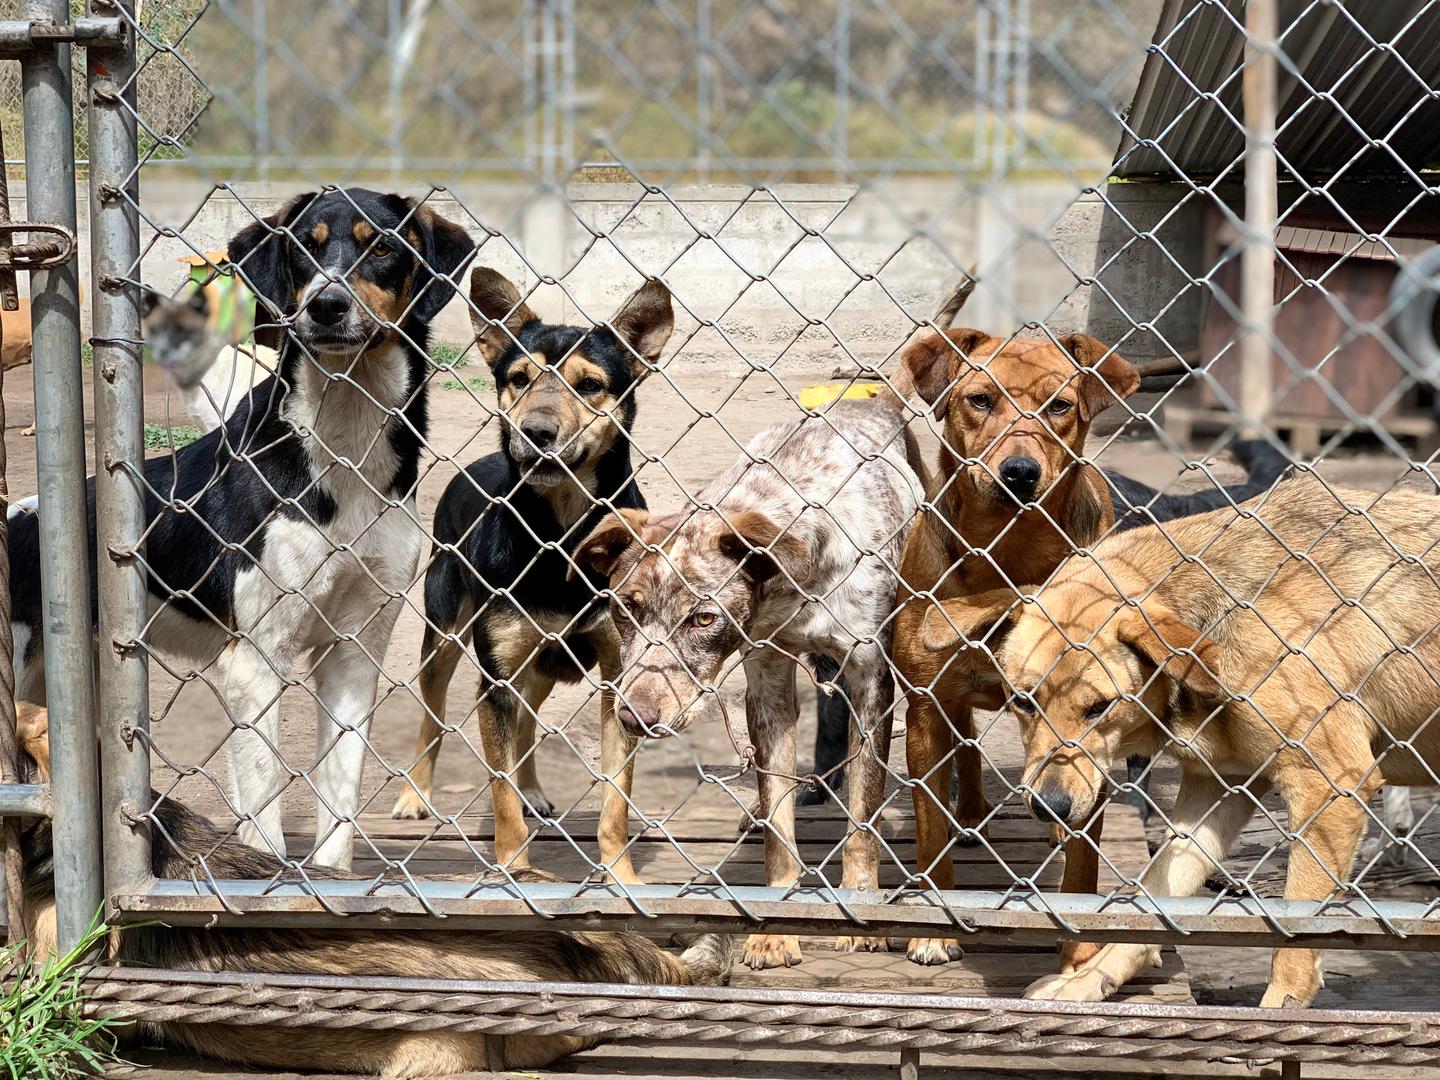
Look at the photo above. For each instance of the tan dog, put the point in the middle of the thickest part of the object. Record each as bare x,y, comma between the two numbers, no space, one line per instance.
1319,608
1012,500
603,956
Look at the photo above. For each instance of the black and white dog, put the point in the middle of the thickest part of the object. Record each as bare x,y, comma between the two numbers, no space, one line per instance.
283,541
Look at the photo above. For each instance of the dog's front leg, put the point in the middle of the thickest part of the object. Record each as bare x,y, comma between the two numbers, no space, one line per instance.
497,710
1329,825
252,689
345,679
929,754
871,706
1208,816
617,765
771,712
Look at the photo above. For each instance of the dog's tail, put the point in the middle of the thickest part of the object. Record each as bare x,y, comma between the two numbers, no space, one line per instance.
709,958
1264,465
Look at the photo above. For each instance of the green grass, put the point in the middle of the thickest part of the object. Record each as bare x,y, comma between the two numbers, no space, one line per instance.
476,385
448,357
160,437
42,1034
87,353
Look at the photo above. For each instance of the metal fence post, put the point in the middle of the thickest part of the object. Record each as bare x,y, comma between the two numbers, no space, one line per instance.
1257,261
61,469
124,707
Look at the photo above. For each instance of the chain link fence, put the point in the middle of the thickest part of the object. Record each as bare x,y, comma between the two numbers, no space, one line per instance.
898,474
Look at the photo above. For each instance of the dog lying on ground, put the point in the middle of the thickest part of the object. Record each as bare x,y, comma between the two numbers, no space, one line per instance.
1286,647
505,531
789,553
604,957
206,343
1012,500
292,534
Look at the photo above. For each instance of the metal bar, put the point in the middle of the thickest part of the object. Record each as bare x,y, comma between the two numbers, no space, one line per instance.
20,37
61,469
856,1020
25,800
10,852
261,84
1257,266
745,909
120,454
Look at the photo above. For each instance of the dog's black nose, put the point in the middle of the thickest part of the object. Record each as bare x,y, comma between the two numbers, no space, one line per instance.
1050,805
541,433
330,305
1020,475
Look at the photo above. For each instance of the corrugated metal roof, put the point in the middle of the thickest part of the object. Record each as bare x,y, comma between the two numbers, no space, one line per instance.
1188,102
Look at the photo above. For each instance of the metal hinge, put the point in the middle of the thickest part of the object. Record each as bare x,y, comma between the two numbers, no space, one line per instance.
23,37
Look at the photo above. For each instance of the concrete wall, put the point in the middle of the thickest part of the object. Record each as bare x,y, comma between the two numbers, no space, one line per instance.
805,277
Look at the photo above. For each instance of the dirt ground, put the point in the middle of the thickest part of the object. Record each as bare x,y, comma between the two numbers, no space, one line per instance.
690,425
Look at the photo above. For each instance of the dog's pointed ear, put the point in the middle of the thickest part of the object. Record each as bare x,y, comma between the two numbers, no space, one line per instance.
762,548
444,249
260,251
931,363
1108,377
600,551
983,617
200,301
644,323
498,314
149,299
1158,635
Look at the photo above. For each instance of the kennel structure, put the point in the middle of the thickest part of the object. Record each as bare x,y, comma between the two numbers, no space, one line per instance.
1249,237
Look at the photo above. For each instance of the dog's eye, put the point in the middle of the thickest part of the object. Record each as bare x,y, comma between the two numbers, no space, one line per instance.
589,387
1097,710
379,251
982,402
1060,407
702,618
519,380
1023,703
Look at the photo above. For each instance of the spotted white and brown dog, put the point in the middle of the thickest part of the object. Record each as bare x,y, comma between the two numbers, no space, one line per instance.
790,554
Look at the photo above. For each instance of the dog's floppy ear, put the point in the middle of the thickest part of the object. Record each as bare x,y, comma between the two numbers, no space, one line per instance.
261,253
1157,634
644,322
1111,377
498,314
444,249
601,550
744,533
32,735
983,617
931,363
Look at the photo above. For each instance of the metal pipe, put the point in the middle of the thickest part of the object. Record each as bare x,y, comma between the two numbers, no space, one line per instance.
19,37
61,469
744,909
25,800
1257,265
120,454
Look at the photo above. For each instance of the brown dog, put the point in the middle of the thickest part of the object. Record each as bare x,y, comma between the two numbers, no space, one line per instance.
1290,647
1012,500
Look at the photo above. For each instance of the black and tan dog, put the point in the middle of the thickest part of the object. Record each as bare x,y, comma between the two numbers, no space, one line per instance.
606,957
504,533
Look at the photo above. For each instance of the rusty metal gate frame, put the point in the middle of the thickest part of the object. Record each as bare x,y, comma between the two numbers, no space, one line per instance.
94,801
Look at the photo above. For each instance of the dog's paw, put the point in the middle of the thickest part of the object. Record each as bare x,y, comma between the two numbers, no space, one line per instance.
539,805
846,943
812,795
933,950
409,807
1084,984
770,951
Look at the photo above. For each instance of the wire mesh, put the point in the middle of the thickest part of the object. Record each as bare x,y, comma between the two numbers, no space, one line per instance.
547,512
